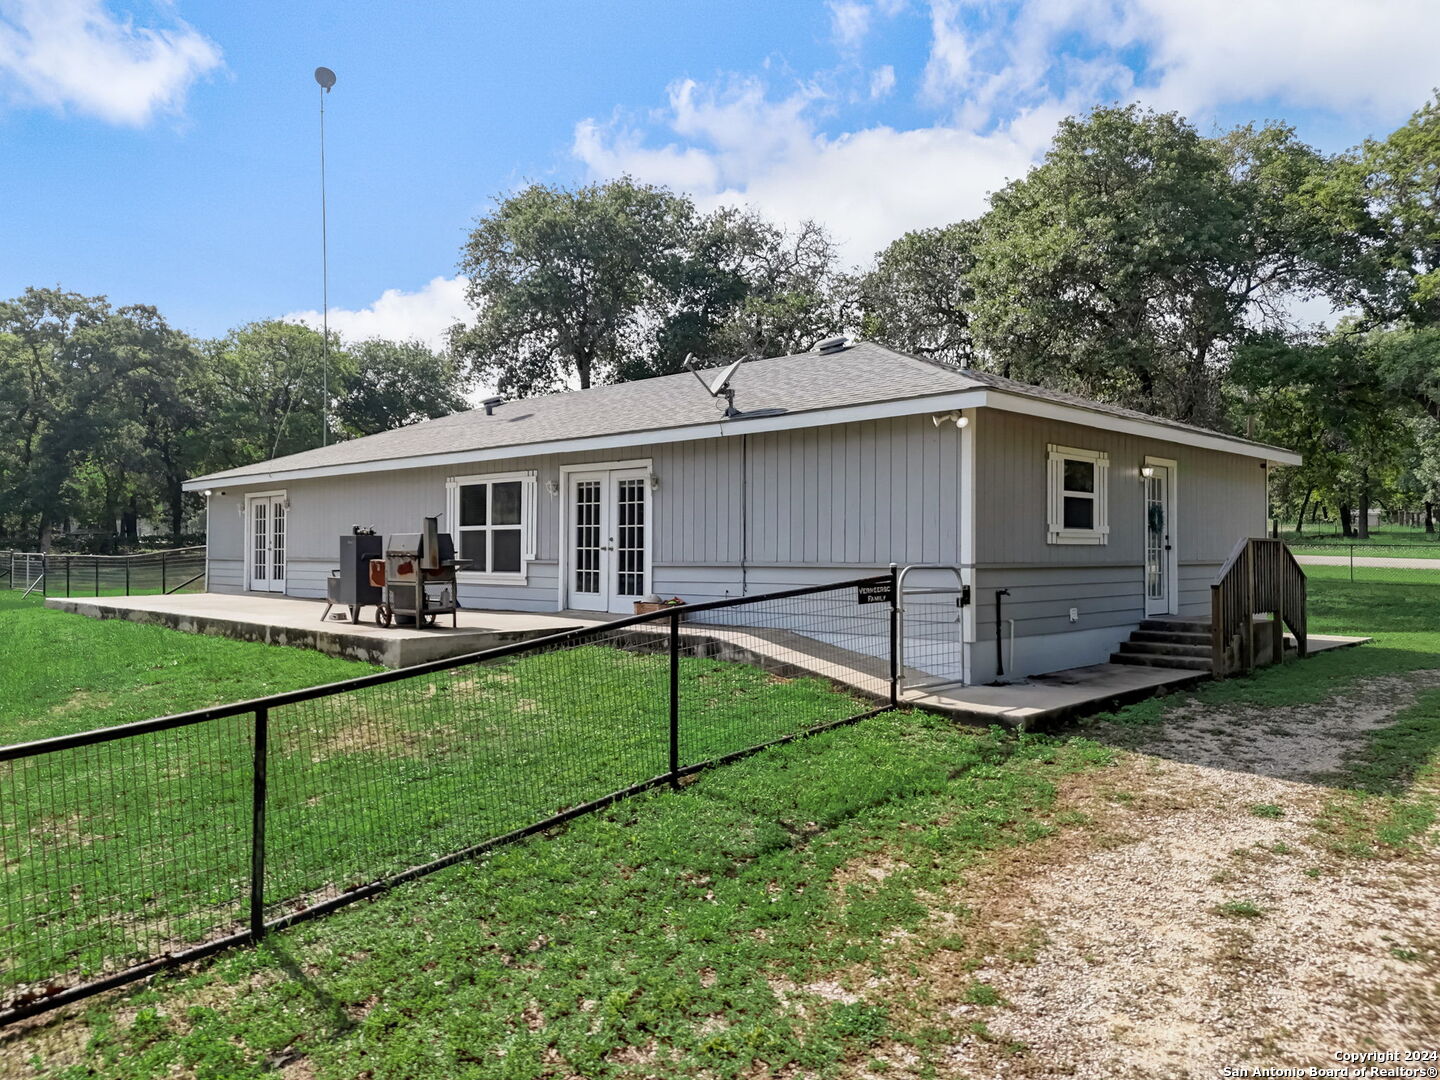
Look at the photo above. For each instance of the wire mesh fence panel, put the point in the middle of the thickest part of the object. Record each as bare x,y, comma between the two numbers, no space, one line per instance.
178,570
120,851
768,669
370,783
1379,564
155,842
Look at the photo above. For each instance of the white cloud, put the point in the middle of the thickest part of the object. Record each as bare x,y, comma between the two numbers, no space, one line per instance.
849,22
949,66
882,81
736,145
1377,56
76,54
422,315
999,77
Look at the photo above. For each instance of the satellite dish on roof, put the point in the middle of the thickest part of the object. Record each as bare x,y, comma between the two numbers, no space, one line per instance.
325,77
720,385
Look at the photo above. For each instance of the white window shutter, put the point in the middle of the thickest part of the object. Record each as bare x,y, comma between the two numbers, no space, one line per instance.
528,510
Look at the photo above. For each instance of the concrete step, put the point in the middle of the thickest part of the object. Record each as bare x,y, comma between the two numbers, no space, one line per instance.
1172,637
1165,648
1188,663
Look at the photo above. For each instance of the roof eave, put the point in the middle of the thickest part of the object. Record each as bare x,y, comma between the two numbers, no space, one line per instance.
968,398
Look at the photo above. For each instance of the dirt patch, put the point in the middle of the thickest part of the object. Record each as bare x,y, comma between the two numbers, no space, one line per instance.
1304,742
1193,918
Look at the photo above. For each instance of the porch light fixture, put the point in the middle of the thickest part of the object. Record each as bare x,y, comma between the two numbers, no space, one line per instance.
207,493
956,417
1147,471
552,487
654,482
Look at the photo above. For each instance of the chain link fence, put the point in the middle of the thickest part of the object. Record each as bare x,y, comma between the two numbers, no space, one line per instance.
129,848
1371,563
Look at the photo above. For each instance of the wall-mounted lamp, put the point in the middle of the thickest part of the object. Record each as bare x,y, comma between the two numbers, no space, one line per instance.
956,417
552,487
207,493
654,482
1147,471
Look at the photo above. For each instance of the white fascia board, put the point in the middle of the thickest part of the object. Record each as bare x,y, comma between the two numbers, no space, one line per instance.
1074,414
879,410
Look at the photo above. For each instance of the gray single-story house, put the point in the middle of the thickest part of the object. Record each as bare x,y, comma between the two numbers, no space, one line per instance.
836,464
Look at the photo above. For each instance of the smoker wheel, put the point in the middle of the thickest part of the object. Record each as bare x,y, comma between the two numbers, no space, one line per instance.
384,615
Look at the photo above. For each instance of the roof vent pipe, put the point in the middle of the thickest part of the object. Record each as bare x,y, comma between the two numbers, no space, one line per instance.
489,404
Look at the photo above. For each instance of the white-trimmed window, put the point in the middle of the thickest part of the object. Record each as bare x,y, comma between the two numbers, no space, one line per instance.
1079,506
492,520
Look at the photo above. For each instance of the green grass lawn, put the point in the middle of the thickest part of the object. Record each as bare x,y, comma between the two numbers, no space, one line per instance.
1379,575
64,673
363,785
686,933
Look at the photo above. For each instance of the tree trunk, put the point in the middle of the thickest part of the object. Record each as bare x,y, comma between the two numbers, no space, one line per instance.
1362,524
1430,519
130,522
1347,522
1304,505
177,510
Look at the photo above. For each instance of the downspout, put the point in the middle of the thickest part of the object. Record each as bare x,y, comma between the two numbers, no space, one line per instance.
744,514
1000,633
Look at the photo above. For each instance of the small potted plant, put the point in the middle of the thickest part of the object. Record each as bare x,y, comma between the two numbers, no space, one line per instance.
647,604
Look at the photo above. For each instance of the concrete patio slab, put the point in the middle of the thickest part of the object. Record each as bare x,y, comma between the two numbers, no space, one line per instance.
1026,703
278,620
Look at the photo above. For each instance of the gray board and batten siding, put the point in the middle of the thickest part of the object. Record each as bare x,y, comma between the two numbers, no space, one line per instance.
822,503
1219,498
833,470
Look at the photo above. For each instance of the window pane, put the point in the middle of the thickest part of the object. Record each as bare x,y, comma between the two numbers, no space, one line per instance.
1079,512
506,508
1079,475
472,504
507,551
472,547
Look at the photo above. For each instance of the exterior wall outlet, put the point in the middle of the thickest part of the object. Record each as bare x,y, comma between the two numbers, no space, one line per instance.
1074,614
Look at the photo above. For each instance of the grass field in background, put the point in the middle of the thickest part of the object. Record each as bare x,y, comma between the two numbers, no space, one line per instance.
1375,575
1389,541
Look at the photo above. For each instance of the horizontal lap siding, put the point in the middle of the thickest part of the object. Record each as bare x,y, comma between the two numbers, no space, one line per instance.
1221,498
225,575
1041,598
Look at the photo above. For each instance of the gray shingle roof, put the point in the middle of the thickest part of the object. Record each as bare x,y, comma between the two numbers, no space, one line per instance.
862,374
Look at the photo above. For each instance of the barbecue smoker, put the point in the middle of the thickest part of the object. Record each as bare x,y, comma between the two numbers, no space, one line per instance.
418,577
349,586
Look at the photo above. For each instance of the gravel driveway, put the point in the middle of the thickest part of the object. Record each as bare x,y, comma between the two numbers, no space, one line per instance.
1202,917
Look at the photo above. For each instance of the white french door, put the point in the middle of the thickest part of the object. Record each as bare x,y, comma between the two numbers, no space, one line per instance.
1162,566
608,554
265,538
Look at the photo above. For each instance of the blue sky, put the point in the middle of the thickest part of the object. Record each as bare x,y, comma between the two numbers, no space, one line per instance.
166,152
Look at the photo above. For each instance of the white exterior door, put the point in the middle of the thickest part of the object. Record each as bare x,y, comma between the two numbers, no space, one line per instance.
265,532
1162,566
608,522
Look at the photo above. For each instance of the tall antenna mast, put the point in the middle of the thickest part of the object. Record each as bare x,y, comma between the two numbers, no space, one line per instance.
326,78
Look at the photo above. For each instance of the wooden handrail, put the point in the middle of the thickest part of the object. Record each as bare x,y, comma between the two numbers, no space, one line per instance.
1261,576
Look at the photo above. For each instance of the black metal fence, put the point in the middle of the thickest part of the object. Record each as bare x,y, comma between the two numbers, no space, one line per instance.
134,847
175,570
